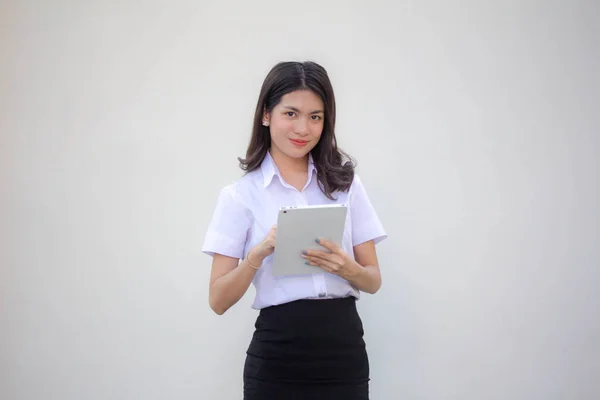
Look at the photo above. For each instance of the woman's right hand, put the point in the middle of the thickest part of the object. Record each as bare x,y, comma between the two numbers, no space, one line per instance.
228,283
267,246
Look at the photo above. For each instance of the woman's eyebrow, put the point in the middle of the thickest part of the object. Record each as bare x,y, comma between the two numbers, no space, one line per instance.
291,108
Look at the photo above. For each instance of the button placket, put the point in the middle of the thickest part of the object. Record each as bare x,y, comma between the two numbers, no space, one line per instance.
319,285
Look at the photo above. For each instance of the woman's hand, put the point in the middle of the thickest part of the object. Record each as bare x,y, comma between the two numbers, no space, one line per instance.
333,260
266,247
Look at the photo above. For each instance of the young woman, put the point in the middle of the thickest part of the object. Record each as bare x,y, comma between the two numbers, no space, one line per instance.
308,342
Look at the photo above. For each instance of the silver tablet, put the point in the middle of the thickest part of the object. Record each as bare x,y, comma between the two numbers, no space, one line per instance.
297,229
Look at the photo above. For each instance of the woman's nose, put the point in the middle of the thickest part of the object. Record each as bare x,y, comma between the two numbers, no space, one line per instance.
301,127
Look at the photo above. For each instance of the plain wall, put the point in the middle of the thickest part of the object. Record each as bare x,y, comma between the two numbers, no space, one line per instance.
476,130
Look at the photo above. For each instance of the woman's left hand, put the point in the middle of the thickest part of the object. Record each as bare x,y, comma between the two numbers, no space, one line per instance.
333,260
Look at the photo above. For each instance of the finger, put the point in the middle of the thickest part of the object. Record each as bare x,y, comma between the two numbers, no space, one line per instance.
334,248
327,265
318,253
318,263
330,259
334,259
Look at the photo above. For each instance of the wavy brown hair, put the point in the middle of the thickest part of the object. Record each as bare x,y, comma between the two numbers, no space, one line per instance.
335,169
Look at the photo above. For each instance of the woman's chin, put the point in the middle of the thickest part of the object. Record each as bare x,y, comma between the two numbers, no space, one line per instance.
297,154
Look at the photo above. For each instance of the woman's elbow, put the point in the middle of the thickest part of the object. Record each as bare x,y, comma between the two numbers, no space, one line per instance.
375,287
372,290
218,308
219,311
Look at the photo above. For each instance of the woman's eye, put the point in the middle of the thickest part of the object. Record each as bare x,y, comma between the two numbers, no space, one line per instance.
316,117
290,113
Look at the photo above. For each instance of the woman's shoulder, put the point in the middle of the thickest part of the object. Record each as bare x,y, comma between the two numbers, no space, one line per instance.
356,182
241,187
357,188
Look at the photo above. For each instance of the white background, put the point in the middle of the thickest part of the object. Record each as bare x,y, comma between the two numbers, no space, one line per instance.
476,129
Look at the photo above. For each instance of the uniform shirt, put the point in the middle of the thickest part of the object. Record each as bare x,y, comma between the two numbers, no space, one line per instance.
247,209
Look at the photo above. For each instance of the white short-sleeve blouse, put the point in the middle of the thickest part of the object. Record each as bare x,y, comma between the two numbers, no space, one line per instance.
247,209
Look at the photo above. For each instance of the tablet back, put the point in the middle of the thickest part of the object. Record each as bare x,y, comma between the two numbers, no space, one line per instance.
297,229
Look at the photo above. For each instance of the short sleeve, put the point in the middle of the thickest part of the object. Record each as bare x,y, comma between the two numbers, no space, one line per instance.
365,222
229,226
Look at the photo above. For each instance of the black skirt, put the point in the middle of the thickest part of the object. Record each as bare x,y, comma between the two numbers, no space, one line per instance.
308,349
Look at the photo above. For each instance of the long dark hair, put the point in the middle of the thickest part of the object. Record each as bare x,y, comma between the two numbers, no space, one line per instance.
335,169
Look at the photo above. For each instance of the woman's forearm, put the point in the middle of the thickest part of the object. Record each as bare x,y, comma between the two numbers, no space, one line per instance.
367,279
229,288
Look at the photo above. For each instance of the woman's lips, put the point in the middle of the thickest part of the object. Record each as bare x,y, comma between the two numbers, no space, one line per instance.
299,143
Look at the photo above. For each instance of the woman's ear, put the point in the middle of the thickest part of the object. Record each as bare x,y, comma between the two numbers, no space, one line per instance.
266,118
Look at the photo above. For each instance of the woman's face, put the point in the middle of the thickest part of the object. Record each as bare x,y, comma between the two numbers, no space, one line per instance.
296,123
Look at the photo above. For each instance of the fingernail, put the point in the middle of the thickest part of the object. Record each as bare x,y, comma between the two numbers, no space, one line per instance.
317,240
304,252
307,263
